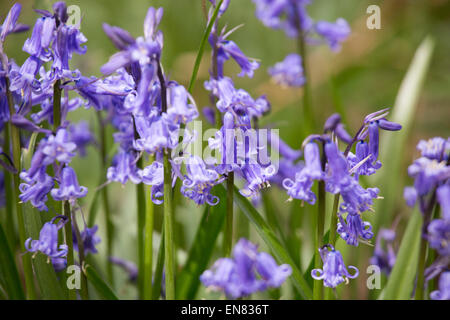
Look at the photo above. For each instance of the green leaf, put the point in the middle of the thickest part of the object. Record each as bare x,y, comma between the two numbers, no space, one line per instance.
267,234
8,271
156,290
401,280
202,46
100,286
43,269
393,144
202,250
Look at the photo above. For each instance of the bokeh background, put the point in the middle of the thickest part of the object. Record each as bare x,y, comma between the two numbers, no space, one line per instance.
363,77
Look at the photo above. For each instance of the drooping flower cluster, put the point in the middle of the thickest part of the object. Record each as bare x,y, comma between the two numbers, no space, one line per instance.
292,17
150,115
334,271
431,173
237,143
247,272
341,171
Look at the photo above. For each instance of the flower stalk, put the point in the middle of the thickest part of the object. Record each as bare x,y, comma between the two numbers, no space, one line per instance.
148,245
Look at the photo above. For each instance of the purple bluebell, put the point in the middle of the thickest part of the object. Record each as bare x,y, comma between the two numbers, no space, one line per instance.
59,264
124,168
410,196
427,174
180,110
43,34
81,136
270,271
48,240
334,271
444,288
289,72
363,160
443,197
436,148
384,256
69,189
24,81
10,24
153,175
89,238
353,228
36,190
246,272
69,39
438,236
256,176
58,148
333,33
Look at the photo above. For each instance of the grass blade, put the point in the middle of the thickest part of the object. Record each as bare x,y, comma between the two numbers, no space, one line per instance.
281,255
393,143
100,286
401,280
202,250
8,270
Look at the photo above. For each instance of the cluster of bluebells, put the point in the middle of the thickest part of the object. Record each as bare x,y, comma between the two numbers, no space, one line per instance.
292,17
431,174
341,171
247,272
236,113
46,71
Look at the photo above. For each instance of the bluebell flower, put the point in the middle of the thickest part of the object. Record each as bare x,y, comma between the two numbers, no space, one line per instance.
410,196
289,72
334,33
124,168
48,240
69,189
363,160
427,174
89,238
154,135
81,136
69,39
153,175
270,271
256,176
436,148
443,197
128,266
246,273
59,264
36,190
334,271
384,256
10,24
179,109
24,81
41,38
58,148
444,288
438,236
354,228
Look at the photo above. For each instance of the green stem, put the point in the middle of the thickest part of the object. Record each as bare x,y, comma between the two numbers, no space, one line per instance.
69,243
228,235
140,193
329,293
15,136
318,286
81,257
148,246
168,231
105,199
9,221
56,105
424,247
159,269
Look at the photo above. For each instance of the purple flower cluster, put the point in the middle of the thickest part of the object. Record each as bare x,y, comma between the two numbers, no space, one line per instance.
341,171
334,271
431,173
247,272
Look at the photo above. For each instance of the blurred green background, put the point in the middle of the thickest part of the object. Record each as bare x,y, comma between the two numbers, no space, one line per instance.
363,77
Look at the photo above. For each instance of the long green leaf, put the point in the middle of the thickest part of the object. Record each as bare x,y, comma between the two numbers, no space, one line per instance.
44,272
268,235
393,144
401,280
100,286
202,250
8,270
202,46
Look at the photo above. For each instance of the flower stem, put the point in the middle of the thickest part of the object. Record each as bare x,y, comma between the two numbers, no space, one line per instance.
168,208
69,243
228,235
56,105
140,193
318,286
16,148
419,295
329,293
105,199
81,257
148,246
9,222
